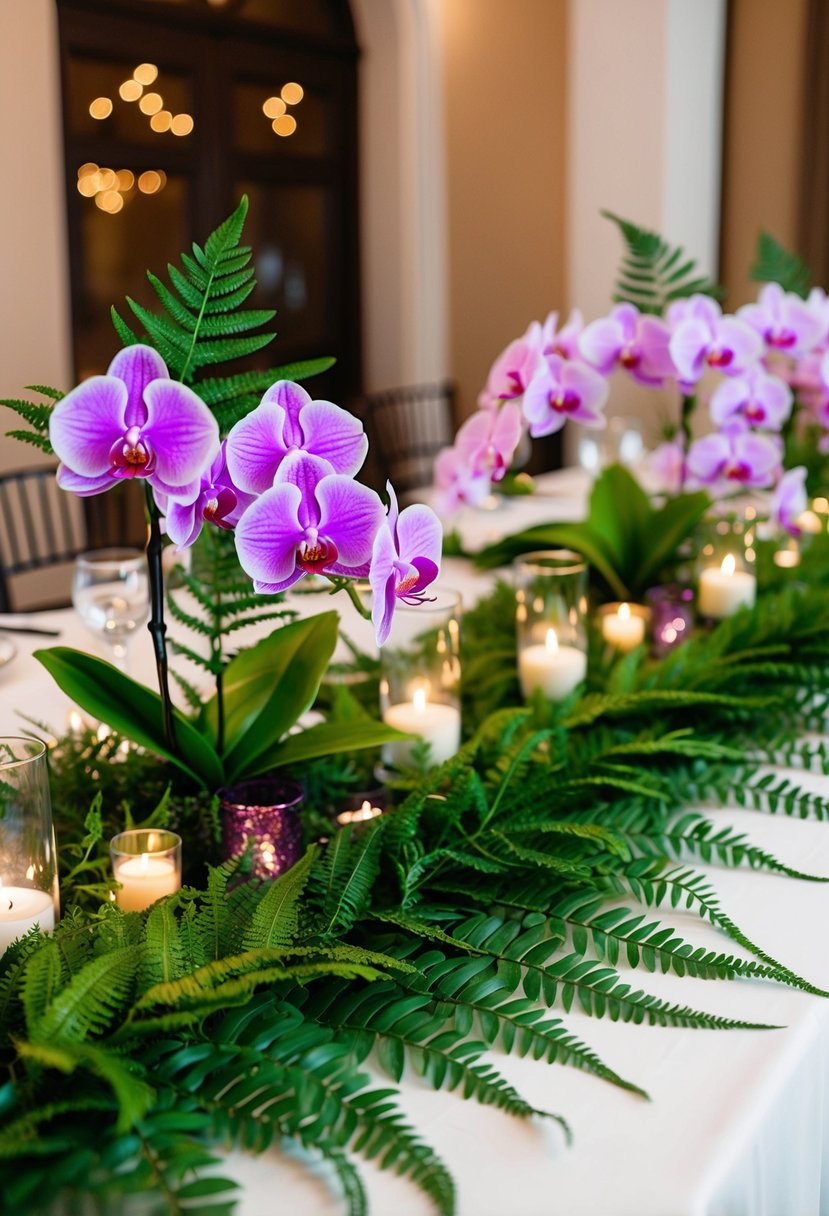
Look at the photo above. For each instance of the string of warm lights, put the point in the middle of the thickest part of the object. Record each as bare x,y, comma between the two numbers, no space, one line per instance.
275,108
151,104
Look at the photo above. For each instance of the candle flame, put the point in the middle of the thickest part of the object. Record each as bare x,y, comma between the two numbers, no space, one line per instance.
145,861
729,564
30,872
551,641
624,612
419,700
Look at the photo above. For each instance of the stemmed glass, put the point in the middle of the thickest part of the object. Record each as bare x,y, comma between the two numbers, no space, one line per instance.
111,595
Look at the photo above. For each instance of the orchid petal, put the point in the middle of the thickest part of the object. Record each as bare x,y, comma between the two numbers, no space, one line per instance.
182,431
86,422
381,580
268,535
334,434
420,535
305,471
137,366
687,347
292,398
184,523
76,483
350,514
600,343
256,447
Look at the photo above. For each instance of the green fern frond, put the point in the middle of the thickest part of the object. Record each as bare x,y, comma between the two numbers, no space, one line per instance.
654,273
773,263
36,414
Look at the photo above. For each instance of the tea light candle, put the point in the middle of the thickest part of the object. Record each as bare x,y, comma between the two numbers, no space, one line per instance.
436,723
361,815
20,909
623,629
724,589
553,668
144,879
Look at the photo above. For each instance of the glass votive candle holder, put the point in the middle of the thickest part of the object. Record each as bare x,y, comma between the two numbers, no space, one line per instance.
420,674
726,579
263,815
672,616
28,857
550,612
147,864
624,625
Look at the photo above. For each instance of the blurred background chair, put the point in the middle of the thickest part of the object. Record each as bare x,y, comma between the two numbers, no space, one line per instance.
43,529
406,429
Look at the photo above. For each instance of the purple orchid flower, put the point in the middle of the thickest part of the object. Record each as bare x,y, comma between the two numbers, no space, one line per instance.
564,341
757,398
488,439
564,390
789,500
288,420
513,370
667,463
457,483
740,461
218,501
630,340
133,422
784,321
702,337
818,303
405,559
311,521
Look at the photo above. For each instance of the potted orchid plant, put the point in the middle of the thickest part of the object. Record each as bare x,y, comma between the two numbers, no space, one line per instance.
253,455
666,329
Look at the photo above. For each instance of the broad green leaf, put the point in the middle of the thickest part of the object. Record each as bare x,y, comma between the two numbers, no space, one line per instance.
620,513
670,526
268,687
132,710
327,739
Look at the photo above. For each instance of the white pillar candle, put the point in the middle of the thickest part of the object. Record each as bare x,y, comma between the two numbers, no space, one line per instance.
437,724
724,589
20,909
144,879
553,668
623,629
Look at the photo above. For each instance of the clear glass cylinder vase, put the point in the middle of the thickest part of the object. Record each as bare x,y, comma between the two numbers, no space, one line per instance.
28,855
550,613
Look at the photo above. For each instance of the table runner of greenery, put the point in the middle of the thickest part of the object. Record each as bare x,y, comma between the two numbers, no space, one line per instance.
500,893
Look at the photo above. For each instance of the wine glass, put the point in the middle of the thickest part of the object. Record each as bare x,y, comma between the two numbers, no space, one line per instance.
110,592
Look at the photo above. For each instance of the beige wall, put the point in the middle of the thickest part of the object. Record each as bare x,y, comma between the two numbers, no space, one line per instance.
504,90
762,133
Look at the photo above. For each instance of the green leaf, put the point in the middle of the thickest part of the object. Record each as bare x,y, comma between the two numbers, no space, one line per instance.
132,710
773,263
331,738
269,686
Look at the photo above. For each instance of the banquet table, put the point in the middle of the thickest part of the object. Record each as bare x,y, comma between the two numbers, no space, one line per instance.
736,1125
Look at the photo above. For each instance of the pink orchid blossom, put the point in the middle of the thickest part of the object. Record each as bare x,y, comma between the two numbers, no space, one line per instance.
311,521
818,304
756,398
564,390
564,341
725,463
784,322
513,370
789,500
629,339
488,439
133,422
405,560
288,420
702,337
457,483
667,463
218,502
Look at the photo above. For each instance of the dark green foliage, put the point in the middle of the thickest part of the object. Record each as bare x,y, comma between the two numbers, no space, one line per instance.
773,263
653,272
36,414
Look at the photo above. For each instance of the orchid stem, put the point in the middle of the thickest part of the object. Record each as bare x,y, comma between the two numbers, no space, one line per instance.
157,626
344,584
689,403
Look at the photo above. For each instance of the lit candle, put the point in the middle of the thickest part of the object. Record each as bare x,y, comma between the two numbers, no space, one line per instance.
436,723
553,668
623,629
144,879
20,909
361,815
724,589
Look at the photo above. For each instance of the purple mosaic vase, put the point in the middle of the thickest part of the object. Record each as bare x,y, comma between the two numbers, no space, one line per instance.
265,812
672,617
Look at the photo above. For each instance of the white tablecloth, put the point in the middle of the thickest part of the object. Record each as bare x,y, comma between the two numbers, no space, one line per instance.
736,1126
